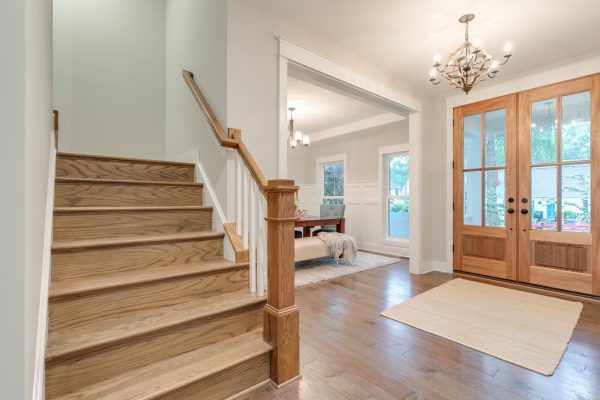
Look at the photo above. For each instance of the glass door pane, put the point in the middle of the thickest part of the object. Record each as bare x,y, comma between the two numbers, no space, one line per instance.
494,198
398,222
543,198
472,142
472,198
575,201
495,138
543,131
575,143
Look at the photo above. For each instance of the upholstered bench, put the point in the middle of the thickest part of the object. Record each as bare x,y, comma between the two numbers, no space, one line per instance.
310,247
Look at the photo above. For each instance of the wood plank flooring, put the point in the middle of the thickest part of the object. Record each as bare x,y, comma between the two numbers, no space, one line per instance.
350,352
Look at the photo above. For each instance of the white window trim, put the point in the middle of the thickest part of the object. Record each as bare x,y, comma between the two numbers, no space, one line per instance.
319,170
383,152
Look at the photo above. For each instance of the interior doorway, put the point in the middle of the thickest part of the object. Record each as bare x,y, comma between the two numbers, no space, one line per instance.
338,78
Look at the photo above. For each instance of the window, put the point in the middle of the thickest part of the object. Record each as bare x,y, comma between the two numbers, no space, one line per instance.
332,178
396,193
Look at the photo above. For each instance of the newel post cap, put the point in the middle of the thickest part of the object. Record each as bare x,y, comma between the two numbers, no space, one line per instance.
281,185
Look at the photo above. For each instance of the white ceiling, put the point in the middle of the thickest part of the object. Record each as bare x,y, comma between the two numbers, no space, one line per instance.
400,37
319,109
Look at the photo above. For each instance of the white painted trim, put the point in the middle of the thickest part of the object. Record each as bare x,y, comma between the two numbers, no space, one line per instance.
42,324
319,178
332,158
449,190
304,57
395,148
356,126
396,251
415,195
282,121
218,216
551,75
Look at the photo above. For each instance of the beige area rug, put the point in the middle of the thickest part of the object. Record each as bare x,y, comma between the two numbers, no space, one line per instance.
525,329
323,269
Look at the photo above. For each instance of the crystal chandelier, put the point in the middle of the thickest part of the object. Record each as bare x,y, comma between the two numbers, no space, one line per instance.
469,64
296,137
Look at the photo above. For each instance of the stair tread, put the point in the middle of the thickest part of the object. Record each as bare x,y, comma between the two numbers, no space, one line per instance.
128,159
126,182
72,340
133,240
68,210
160,378
90,283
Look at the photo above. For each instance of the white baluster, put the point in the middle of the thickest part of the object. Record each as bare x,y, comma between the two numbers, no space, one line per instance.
252,238
238,195
245,213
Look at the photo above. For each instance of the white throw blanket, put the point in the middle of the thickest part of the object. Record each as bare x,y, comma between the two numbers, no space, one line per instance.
340,244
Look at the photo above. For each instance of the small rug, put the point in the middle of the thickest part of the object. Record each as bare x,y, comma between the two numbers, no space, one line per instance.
323,269
525,329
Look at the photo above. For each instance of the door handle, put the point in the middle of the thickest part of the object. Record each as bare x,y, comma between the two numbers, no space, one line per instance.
510,210
524,211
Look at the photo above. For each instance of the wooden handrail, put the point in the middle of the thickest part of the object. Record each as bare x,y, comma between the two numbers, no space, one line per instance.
281,315
232,140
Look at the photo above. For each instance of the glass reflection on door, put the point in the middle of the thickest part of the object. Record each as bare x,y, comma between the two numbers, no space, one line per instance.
561,163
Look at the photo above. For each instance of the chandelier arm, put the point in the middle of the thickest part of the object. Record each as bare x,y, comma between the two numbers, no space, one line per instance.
506,57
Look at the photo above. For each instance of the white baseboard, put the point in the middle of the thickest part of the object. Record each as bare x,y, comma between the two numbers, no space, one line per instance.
42,324
210,199
439,266
385,249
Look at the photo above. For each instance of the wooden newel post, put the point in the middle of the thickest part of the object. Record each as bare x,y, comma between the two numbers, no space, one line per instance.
281,316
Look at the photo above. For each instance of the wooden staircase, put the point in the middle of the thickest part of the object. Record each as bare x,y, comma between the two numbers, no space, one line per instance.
142,304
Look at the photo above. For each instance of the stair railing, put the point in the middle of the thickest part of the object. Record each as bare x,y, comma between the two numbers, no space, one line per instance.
264,228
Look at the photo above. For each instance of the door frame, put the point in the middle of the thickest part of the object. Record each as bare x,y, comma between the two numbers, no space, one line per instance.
327,72
554,279
509,232
489,90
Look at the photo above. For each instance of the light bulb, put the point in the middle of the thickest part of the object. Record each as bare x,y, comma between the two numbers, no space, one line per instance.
507,48
305,140
477,42
437,58
494,66
293,143
298,136
433,73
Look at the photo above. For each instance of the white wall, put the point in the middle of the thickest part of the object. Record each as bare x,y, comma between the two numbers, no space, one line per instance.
361,148
363,197
197,41
25,125
252,73
109,76
434,184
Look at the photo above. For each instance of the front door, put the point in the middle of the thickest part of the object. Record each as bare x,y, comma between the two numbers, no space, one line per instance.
559,173
485,185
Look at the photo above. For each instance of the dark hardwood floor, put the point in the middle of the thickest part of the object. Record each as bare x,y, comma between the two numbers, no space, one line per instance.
348,351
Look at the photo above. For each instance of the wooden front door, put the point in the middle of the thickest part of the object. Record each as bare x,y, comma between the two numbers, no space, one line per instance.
559,185
485,186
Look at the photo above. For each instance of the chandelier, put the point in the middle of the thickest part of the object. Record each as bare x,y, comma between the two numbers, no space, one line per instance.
469,64
296,137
